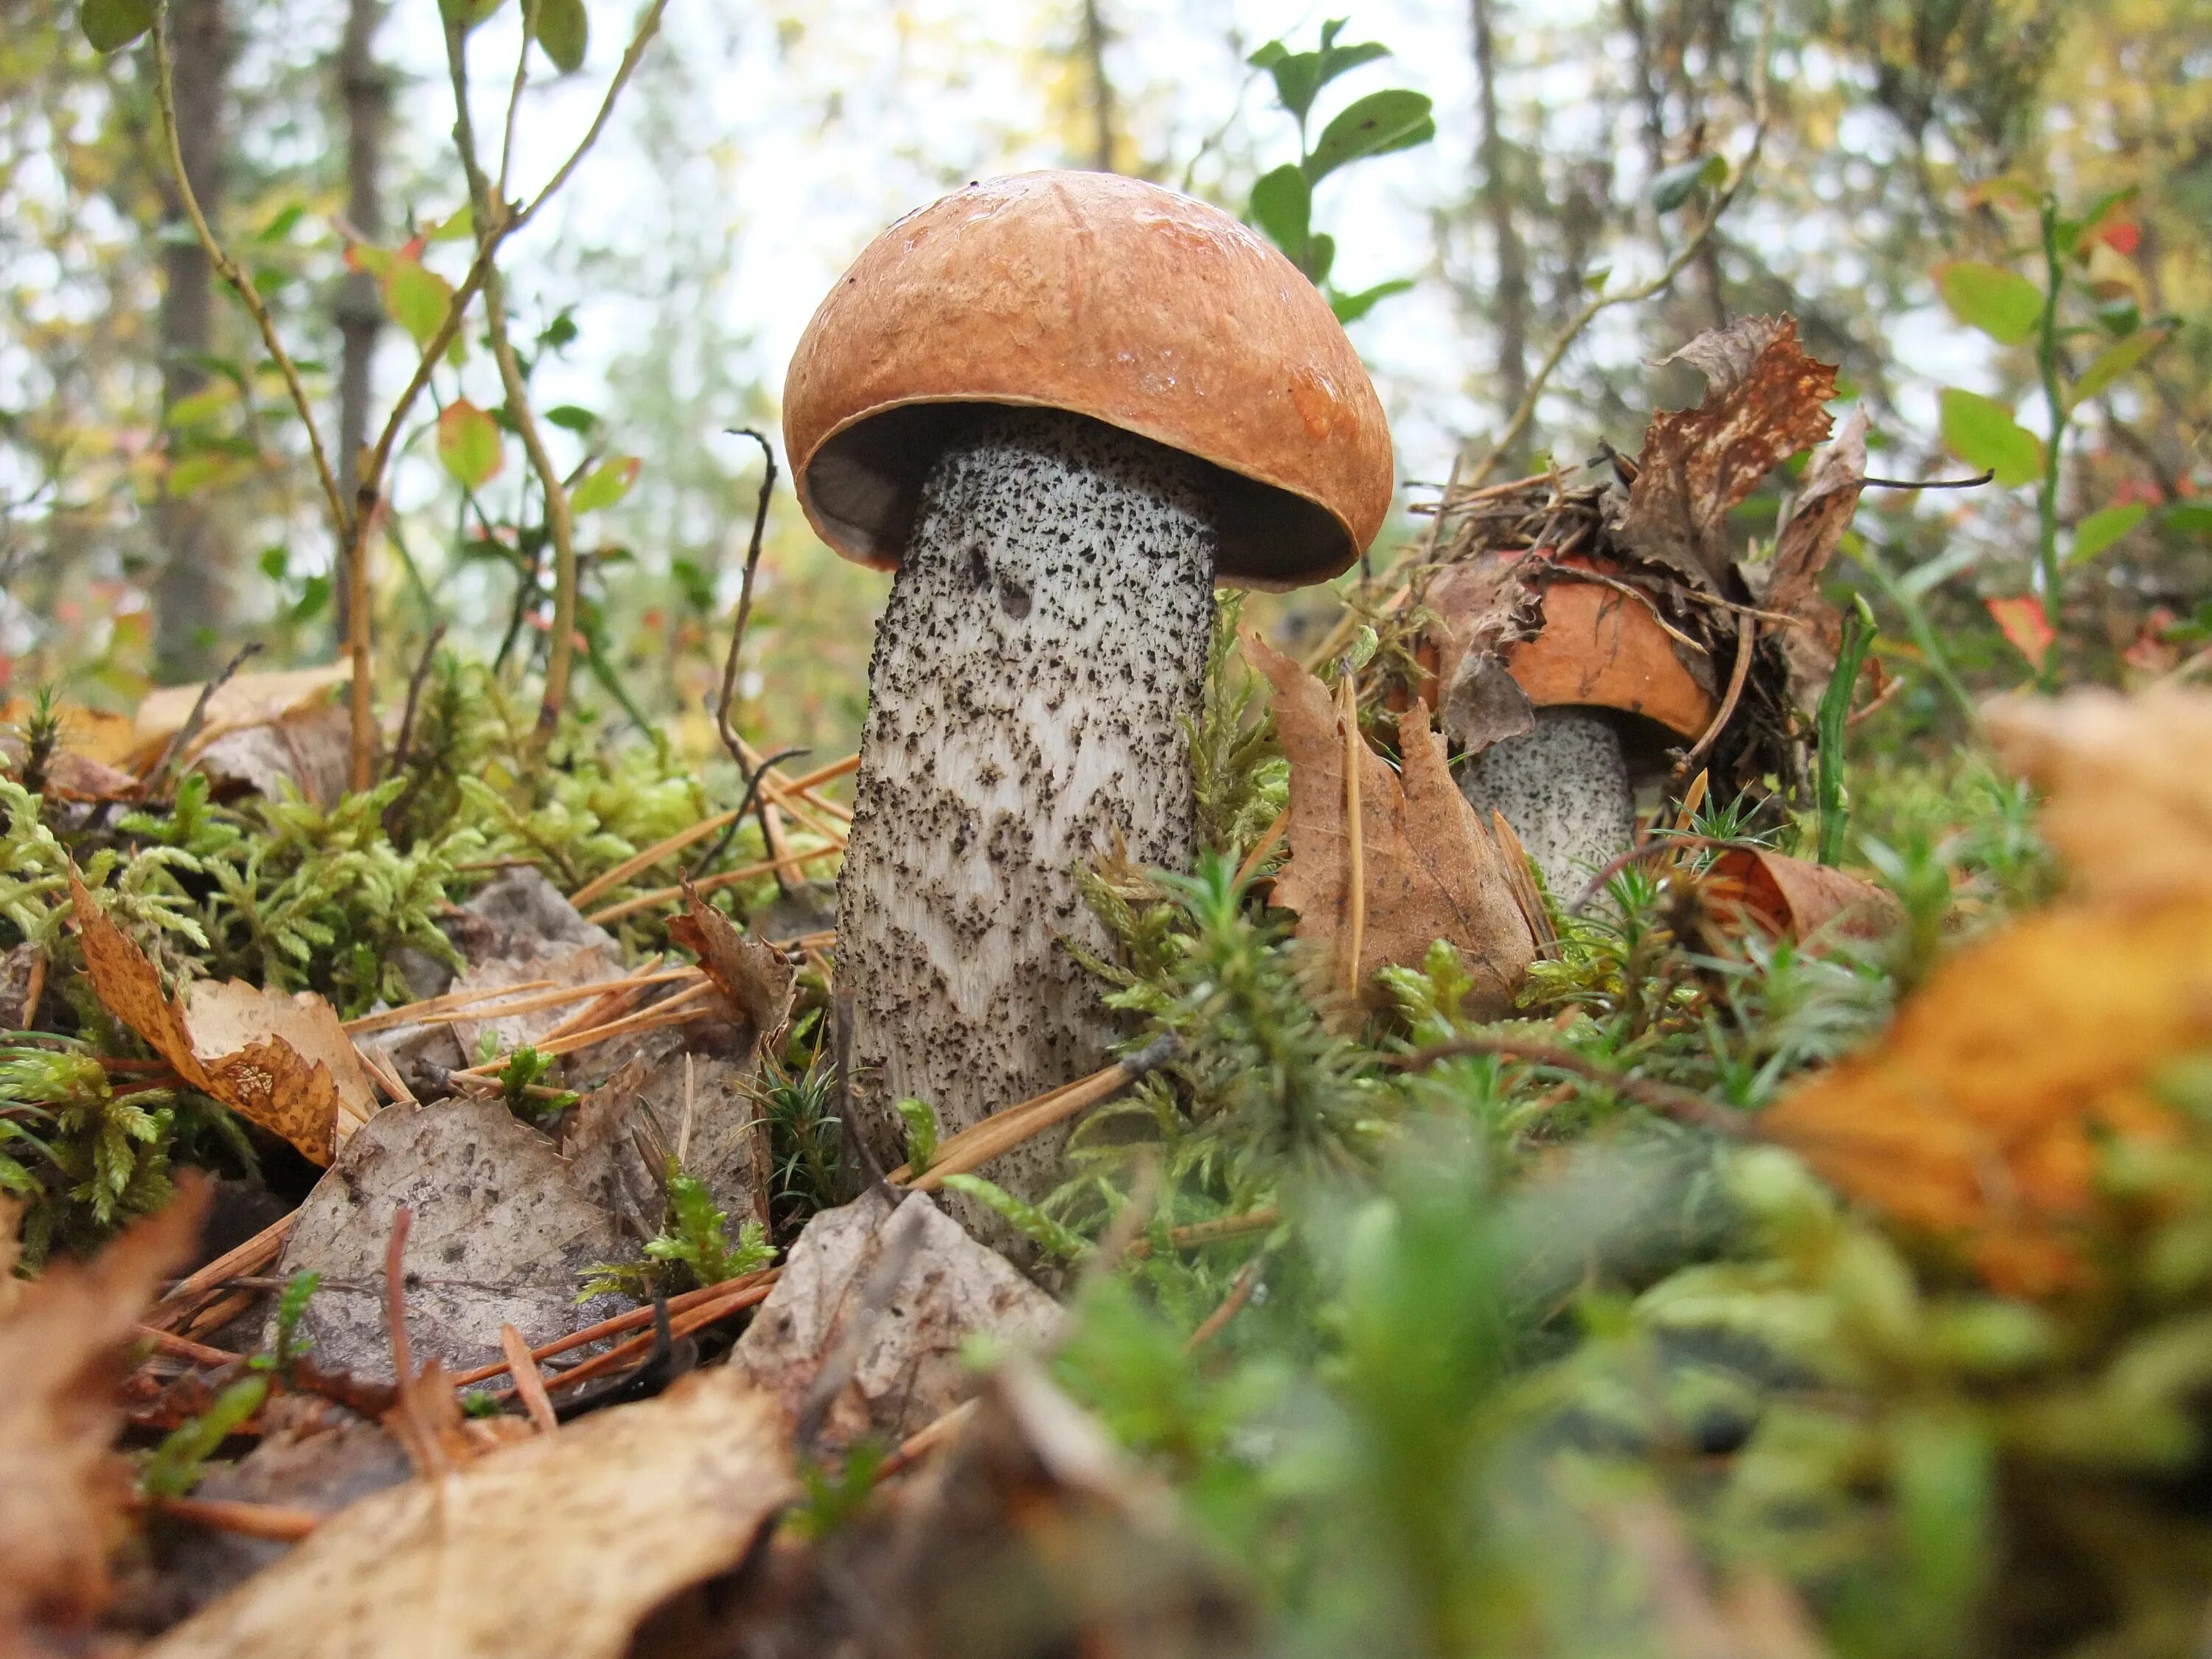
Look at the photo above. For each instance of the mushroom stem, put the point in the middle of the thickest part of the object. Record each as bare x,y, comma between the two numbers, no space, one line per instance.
1044,641
1565,788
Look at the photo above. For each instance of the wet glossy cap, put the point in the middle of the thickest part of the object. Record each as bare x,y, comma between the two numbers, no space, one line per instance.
1602,649
1106,297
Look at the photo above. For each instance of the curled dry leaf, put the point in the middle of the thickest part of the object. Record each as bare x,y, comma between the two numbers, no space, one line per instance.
63,1339
305,750
1794,898
1764,401
751,975
1431,871
557,1546
1824,510
283,1062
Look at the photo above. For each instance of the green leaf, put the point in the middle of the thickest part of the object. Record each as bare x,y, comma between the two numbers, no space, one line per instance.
1680,182
203,406
2004,304
1351,308
208,469
282,225
2101,529
1396,119
461,225
417,298
2117,360
570,418
607,484
1342,60
1297,76
1321,258
110,25
469,445
2189,518
1282,206
564,31
1983,433
471,13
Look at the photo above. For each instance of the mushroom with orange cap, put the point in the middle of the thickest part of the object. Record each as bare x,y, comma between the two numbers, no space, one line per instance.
1060,407
1606,692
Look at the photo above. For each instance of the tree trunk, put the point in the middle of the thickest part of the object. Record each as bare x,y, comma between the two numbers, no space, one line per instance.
1101,89
191,593
1504,235
365,91
1045,639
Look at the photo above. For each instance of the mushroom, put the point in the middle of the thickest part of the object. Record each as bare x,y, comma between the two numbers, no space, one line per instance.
1608,694
1060,407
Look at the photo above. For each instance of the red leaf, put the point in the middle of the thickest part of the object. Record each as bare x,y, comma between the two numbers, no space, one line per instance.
2022,623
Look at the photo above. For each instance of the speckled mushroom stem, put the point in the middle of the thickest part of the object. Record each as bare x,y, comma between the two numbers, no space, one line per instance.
1045,637
1565,788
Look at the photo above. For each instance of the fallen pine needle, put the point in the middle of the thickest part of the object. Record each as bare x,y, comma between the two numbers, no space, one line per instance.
624,1322
528,1384
711,884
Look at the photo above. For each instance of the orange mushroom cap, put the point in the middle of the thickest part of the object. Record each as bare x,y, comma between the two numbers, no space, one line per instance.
1106,297
1602,649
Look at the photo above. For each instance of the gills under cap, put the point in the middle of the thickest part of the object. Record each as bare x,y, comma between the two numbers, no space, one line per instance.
1106,297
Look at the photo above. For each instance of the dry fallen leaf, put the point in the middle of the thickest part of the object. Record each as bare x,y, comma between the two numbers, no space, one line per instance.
500,1235
908,1368
557,1546
1979,1118
1794,898
1764,401
283,1062
240,700
752,974
1431,871
104,738
2130,782
307,749
62,1339
1825,504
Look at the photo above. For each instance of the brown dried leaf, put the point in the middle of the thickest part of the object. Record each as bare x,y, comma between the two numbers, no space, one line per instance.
1482,606
1764,403
1978,1119
84,731
1794,898
283,1062
557,1546
64,1338
1431,871
307,749
2129,781
909,1370
242,699
1824,512
752,974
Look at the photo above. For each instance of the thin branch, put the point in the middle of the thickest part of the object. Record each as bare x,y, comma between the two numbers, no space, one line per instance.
648,25
1746,641
1524,413
165,92
1663,1099
193,722
744,596
400,747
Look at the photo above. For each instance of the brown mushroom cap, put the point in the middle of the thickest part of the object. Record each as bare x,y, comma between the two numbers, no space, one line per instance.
1599,647
1602,649
1107,297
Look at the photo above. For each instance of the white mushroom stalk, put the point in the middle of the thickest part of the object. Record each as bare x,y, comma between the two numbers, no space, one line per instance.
1044,642
1566,789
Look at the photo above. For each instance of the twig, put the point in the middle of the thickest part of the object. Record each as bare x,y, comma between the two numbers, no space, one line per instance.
1263,1219
925,1439
1524,413
194,721
710,884
1975,483
165,94
250,1257
777,862
1240,1293
404,741
1642,850
1661,1098
529,1386
283,1524
1746,640
744,596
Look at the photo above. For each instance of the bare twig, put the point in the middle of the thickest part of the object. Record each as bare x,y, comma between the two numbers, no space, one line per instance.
194,721
1746,641
1524,413
255,1254
777,861
406,740
1974,482
744,594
